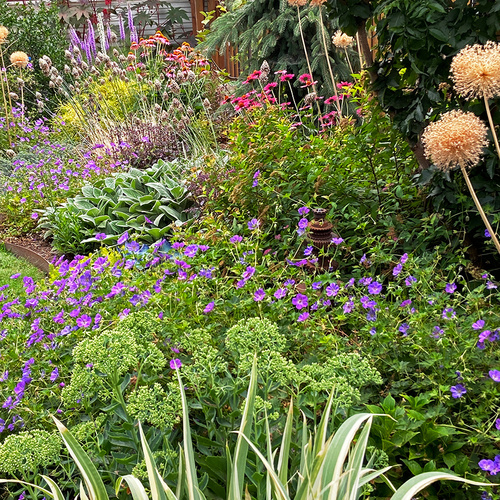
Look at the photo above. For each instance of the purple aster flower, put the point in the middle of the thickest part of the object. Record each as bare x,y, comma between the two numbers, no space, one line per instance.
410,280
175,364
448,313
457,391
397,269
209,307
253,224
374,288
54,375
308,251
300,301
123,238
332,290
450,287
100,236
303,316
280,293
494,375
236,239
478,324
337,241
259,295
303,211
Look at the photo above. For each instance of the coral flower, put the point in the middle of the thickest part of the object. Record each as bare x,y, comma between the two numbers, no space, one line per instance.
19,59
457,138
475,71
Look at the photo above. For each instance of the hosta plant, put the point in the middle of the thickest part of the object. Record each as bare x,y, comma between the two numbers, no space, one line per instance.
144,202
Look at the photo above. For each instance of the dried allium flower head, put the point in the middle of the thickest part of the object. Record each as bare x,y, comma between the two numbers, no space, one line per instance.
457,138
19,59
475,70
264,67
4,33
341,40
315,3
297,3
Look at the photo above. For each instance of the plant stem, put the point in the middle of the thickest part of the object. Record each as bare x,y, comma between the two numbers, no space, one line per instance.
480,208
492,126
7,120
308,63
328,59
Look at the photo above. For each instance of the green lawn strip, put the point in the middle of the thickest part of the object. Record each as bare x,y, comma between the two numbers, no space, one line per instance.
11,265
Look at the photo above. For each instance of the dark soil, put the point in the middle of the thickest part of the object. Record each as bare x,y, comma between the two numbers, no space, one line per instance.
35,243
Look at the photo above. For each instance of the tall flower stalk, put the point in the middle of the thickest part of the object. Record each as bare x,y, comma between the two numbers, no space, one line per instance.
4,33
458,139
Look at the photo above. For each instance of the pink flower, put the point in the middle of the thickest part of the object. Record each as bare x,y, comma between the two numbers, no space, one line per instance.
175,364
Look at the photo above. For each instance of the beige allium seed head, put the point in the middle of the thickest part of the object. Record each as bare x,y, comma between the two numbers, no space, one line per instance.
297,3
4,33
317,3
475,70
19,59
341,40
457,138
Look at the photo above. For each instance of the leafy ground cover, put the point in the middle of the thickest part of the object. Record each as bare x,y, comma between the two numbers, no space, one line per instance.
190,282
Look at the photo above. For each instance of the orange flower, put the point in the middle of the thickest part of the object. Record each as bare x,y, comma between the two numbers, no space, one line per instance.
19,59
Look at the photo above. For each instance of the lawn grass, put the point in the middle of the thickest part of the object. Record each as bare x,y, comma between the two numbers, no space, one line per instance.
10,265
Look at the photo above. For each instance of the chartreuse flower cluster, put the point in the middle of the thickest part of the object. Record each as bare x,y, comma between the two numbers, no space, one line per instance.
101,361
28,451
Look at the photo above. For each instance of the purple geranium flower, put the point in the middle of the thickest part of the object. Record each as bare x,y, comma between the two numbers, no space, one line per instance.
100,236
457,391
253,224
123,238
478,324
54,375
248,273
84,321
337,241
397,269
494,375
236,239
410,280
332,289
374,288
175,364
450,287
300,301
280,293
448,313
209,307
303,211
259,295
303,316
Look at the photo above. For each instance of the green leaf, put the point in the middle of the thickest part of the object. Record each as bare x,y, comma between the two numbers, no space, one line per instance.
91,477
135,486
157,491
410,489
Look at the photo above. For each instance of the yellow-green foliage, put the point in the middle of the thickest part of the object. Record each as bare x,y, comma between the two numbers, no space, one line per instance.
101,105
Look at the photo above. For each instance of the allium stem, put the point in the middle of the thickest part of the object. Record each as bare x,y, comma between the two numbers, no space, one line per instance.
492,126
308,63
480,208
328,59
